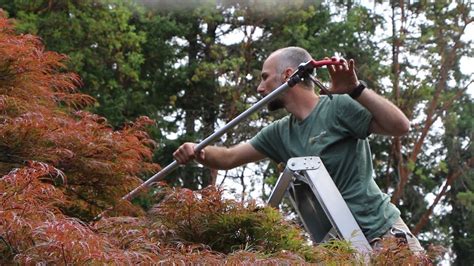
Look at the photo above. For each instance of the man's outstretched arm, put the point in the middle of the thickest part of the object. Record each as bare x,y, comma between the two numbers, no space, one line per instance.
221,158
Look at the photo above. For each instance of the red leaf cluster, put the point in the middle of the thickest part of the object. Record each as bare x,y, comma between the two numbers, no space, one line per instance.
41,119
35,231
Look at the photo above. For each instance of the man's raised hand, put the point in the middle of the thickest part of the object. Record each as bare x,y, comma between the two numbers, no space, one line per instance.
343,76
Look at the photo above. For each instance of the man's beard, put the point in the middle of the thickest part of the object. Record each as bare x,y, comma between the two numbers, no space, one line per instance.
275,104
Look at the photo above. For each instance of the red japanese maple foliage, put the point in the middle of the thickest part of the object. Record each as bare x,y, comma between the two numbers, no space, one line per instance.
61,165
42,118
34,230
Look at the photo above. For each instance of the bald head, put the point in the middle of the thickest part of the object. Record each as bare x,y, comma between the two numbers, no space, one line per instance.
291,57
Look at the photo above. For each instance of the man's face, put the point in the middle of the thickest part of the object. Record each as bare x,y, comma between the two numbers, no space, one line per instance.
270,81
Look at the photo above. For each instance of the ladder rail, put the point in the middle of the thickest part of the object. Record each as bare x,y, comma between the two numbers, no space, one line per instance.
318,203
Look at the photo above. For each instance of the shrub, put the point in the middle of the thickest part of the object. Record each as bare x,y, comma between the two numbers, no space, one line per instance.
227,225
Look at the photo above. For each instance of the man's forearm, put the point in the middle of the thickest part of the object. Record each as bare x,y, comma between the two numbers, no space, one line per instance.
216,157
388,118
226,158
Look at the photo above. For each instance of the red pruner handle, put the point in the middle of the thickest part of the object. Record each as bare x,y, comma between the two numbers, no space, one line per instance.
325,62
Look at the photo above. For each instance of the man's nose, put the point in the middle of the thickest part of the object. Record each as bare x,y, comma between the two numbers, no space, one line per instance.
260,89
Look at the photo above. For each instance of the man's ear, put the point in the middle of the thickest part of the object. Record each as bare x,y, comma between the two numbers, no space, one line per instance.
287,73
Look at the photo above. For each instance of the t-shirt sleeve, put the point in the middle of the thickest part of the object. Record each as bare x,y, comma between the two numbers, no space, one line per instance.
267,140
354,117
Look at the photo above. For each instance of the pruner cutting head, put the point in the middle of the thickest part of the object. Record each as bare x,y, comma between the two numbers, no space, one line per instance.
321,63
305,70
325,62
321,86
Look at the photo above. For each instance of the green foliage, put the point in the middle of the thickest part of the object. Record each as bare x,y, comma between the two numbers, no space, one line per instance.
466,199
205,214
458,139
105,49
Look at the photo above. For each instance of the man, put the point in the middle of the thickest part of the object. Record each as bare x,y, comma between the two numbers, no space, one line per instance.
335,130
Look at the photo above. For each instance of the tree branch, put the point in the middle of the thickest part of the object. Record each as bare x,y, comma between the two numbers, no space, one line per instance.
449,181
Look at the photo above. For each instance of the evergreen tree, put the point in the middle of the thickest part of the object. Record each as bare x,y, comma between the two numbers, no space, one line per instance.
104,47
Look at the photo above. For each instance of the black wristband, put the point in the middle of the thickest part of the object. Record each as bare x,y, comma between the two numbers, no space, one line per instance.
356,92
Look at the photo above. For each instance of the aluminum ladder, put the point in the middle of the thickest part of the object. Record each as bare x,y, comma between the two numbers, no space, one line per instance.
318,202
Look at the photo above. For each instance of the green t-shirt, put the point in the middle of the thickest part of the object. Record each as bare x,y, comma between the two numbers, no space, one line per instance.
336,131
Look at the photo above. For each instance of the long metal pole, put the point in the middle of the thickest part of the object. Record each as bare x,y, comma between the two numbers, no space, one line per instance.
172,166
302,72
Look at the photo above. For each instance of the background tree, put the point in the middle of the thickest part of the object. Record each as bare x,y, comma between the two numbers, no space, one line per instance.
459,194
103,44
428,85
